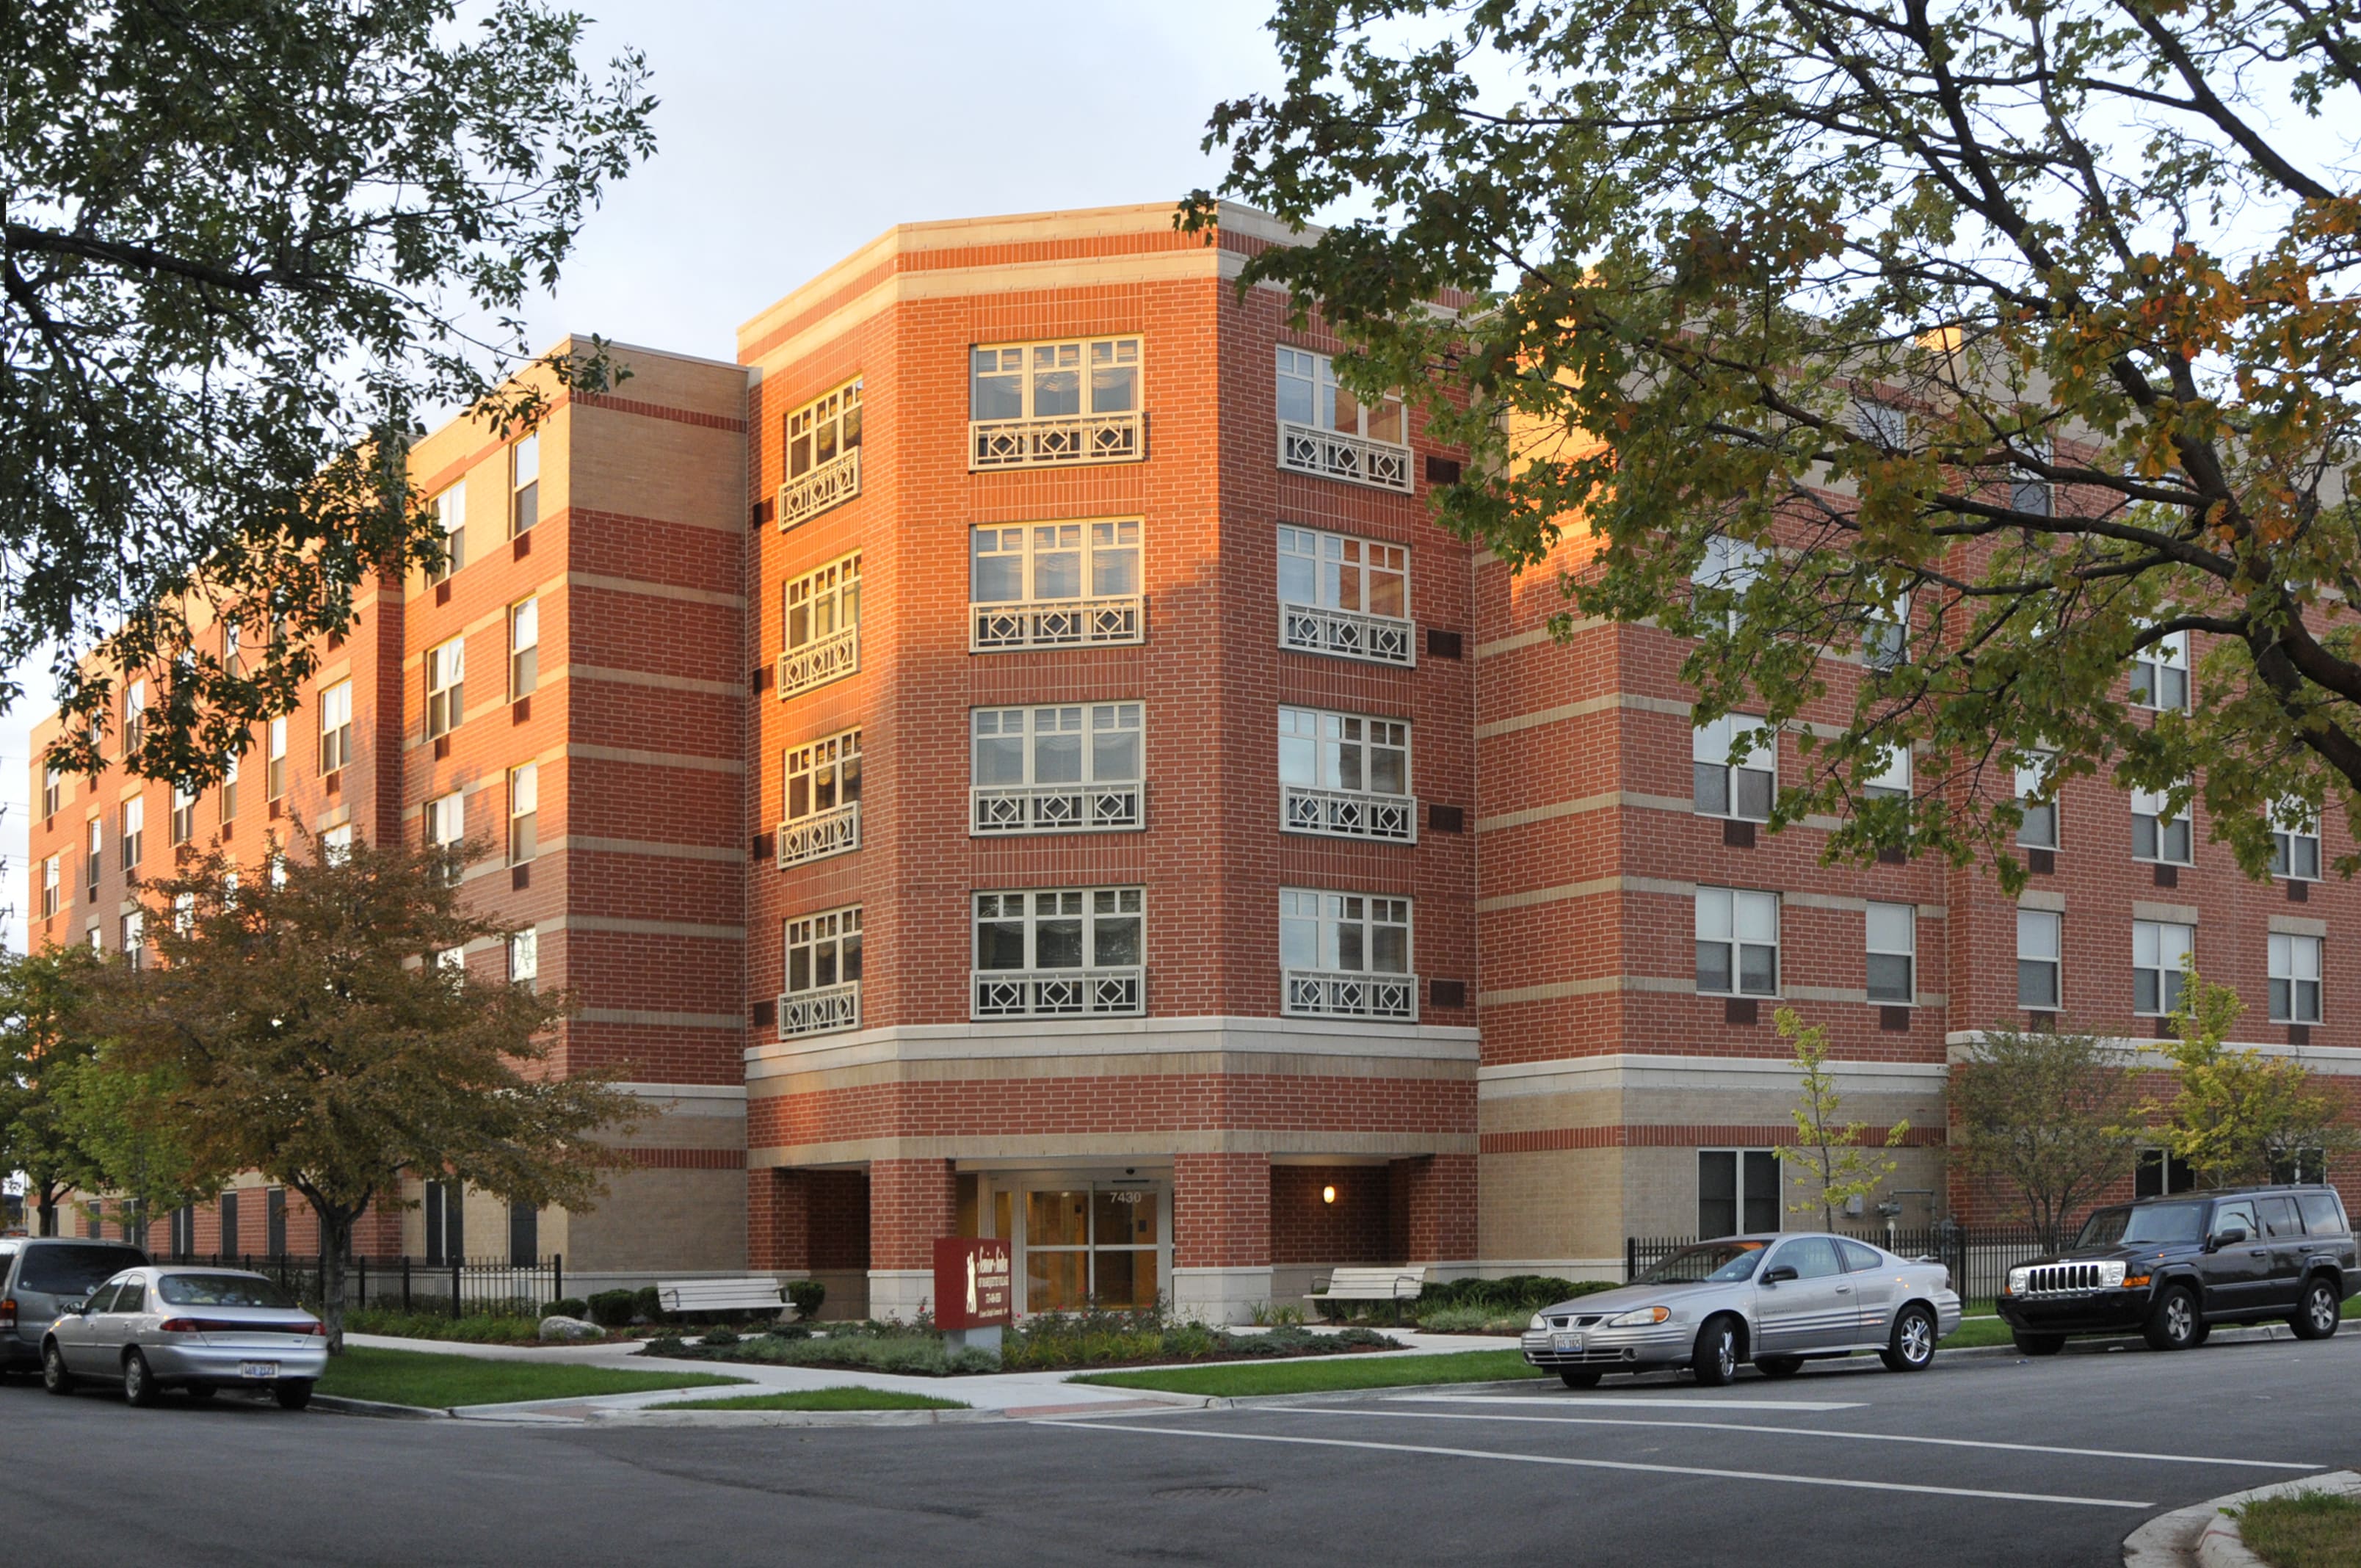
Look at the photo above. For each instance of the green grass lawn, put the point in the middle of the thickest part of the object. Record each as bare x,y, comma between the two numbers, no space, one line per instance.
856,1399
438,1381
2309,1529
1311,1374
1976,1331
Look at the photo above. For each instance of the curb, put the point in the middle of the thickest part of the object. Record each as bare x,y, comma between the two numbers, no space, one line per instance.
2204,1534
338,1405
660,1416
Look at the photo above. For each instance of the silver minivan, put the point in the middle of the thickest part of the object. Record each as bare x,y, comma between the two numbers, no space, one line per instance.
198,1329
42,1278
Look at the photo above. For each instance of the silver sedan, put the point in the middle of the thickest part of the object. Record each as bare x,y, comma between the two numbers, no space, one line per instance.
198,1329
1777,1301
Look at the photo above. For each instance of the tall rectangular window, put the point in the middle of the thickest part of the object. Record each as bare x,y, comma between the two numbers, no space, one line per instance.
821,973
1728,571
1893,931
1889,777
274,771
53,789
524,648
133,937
524,956
820,625
230,1241
336,727
823,799
524,483
1723,784
229,788
2036,797
524,1236
183,825
2295,977
2031,493
94,839
1737,942
1885,634
2160,674
2159,949
451,522
524,812
135,823
2295,841
2155,833
446,676
337,844
2037,954
1737,1193
1074,767
823,429
135,717
446,1226
49,895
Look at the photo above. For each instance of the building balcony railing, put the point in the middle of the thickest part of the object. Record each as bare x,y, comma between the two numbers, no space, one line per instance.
1057,624
817,837
1060,993
1056,808
1330,994
1060,442
821,1011
832,658
810,493
1348,634
1332,454
1349,814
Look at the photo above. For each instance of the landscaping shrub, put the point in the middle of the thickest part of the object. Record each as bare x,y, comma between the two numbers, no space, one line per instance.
717,1339
806,1294
665,1344
647,1307
612,1309
788,1330
475,1329
1518,1294
570,1307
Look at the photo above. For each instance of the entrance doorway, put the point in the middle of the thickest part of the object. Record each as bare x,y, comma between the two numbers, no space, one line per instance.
1082,1244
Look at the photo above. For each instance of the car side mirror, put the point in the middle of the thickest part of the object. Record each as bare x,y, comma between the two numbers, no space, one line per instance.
1775,1275
2230,1236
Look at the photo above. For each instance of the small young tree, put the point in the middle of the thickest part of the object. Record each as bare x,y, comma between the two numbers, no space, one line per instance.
1830,1151
2234,1112
41,1045
2042,1114
308,1029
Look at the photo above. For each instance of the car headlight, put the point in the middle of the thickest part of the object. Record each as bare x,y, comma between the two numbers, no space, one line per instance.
1538,1324
2018,1278
1640,1318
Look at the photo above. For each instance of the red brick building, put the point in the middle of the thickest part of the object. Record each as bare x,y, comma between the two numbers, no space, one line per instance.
1014,756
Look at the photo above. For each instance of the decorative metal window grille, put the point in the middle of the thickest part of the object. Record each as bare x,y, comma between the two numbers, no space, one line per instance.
1063,953
1324,430
823,973
822,619
823,453
1345,597
1054,585
823,800
1345,955
1345,775
1074,767
1036,405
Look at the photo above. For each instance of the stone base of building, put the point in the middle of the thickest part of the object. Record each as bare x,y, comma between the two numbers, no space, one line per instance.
1211,1295
901,1295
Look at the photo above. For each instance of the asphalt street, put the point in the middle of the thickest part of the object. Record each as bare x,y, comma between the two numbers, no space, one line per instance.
1976,1460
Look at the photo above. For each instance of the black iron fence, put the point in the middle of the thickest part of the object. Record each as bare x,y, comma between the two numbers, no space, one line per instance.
1978,1256
454,1288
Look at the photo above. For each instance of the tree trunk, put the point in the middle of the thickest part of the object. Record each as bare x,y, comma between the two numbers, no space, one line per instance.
335,1238
48,1207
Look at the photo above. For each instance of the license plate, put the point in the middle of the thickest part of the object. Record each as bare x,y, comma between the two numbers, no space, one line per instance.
1568,1341
258,1369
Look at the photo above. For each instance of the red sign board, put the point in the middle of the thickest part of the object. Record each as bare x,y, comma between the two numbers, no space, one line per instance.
975,1287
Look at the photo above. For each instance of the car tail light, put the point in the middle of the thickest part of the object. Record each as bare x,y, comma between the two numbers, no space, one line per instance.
179,1326
318,1331
9,1313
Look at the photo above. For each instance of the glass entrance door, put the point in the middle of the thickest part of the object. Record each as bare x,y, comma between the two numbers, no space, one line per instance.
1092,1246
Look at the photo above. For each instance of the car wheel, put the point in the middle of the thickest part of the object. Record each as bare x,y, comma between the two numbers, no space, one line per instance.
2316,1319
1579,1376
138,1382
2204,1333
1778,1365
2173,1323
1912,1346
54,1376
200,1392
1718,1353
291,1394
2037,1344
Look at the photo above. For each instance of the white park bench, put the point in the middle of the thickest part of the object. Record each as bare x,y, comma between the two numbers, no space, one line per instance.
753,1293
1392,1285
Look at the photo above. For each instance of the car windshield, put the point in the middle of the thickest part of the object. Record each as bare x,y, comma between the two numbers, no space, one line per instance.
2159,1224
74,1268
1714,1262
221,1290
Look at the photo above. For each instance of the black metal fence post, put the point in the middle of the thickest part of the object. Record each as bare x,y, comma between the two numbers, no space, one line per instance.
557,1276
405,1282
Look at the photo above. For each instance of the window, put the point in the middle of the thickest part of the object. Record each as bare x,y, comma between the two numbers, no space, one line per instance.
1889,780
446,820
182,827
53,787
821,622
49,887
96,839
133,934
1737,942
525,810
1730,567
1067,952
1725,788
822,443
1892,952
1885,634
1069,769
274,771
822,973
446,676
524,1236
524,484
184,1231
2158,1174
135,822
2295,840
1882,424
1046,585
184,913
1337,950
2155,836
2030,493
1323,428
135,717
233,640
336,727
823,799
229,787
524,648
2036,797
2295,978
524,956
2160,674
1345,774
451,522
2037,952
337,844
229,1240
1045,404
1737,1193
452,961
446,1223
1344,596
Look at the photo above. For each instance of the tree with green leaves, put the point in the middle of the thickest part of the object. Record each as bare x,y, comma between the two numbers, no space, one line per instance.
2236,1115
1997,349
249,247
312,1027
2041,1114
44,1045
1828,1149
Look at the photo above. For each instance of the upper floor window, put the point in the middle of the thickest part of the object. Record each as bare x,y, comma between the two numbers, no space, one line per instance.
183,825
1345,954
1731,566
446,822
446,669
337,844
1885,634
50,884
233,638
336,727
2295,840
2160,674
1037,404
823,454
524,648
1882,424
53,789
229,787
1052,585
451,522
1326,429
1893,932
274,768
524,812
2157,836
135,824
821,618
822,973
134,937
823,799
2039,946
2294,978
524,956
1058,952
94,858
1344,596
524,483
2037,799
1070,768
1724,785
135,717
1344,773
2158,951
1737,942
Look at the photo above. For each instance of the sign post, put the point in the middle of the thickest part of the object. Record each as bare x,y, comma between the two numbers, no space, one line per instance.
975,1295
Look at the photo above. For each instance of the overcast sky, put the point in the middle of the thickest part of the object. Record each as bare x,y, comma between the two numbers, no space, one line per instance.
790,132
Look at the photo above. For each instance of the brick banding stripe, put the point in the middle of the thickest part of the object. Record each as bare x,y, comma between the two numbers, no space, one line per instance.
1727,1135
656,410
687,1159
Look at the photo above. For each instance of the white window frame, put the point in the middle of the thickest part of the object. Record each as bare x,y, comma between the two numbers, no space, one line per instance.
133,832
2038,828
2157,670
274,769
1710,745
1314,925
1733,919
135,717
1732,566
1881,423
229,787
446,676
1102,615
50,886
1109,981
2029,493
2158,947
819,450
2295,840
2041,944
1313,438
133,934
1890,931
524,648
1092,804
94,851
824,606
54,784
451,522
525,813
2150,805
831,767
1321,562
829,941
1108,425
445,821
335,844
336,727
2295,977
524,956
1885,634
1318,749
524,483
182,827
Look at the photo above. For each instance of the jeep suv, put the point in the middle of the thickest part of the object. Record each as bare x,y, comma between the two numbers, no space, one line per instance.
42,1276
2171,1268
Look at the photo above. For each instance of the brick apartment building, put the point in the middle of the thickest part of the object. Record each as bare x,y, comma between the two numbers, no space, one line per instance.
1014,756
